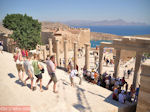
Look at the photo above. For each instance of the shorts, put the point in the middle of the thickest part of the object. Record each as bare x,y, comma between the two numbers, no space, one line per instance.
39,76
53,77
20,67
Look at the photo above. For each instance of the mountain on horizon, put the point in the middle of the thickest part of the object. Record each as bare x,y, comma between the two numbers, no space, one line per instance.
118,22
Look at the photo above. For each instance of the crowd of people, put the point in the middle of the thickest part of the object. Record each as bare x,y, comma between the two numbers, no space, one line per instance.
27,62
119,86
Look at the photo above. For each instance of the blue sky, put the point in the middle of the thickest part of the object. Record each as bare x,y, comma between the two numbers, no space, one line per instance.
63,10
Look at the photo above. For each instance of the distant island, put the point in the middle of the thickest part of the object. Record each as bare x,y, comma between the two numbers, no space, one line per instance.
118,22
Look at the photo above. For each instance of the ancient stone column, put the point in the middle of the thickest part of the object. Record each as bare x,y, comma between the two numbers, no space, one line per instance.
57,52
100,59
44,54
87,56
50,46
117,63
75,54
144,93
66,53
137,68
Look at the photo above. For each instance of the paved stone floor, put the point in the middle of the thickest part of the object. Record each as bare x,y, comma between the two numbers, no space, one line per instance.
81,98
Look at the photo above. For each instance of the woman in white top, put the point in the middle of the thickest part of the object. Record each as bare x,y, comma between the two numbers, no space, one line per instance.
19,64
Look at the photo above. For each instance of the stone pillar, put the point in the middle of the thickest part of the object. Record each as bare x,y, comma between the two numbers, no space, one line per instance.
75,54
144,93
57,52
117,63
44,54
101,59
65,53
137,68
87,56
50,46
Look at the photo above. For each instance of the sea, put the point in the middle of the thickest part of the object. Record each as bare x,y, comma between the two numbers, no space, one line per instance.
117,30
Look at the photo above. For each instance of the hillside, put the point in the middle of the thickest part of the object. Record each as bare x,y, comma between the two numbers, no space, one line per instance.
103,36
52,25
148,35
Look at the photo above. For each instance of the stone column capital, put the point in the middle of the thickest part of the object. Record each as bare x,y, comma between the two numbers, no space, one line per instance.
101,47
87,44
65,41
56,40
117,48
75,42
50,39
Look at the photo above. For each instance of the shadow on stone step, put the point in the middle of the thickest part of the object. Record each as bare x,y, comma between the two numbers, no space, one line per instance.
62,68
11,75
43,87
19,82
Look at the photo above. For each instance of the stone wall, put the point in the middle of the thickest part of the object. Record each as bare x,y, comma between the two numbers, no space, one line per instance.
45,36
7,44
144,94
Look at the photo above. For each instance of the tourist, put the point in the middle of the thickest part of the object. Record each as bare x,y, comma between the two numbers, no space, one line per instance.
26,52
122,97
107,61
51,67
126,87
1,47
77,67
128,96
37,71
111,61
95,77
29,69
115,93
69,67
16,49
112,83
132,90
129,72
104,58
19,64
107,81
23,52
92,76
117,83
72,75
123,81
136,94
48,57
88,74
